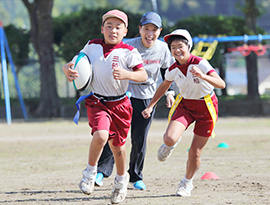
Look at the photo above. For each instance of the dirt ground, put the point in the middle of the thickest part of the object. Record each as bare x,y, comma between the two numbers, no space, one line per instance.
41,162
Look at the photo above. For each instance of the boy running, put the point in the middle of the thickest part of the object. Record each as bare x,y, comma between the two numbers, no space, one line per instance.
109,110
196,80
156,58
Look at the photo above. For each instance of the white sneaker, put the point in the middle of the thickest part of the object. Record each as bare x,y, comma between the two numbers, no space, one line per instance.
119,190
184,189
88,181
165,152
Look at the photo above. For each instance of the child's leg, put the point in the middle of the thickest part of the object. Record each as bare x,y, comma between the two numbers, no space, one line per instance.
193,164
173,133
89,174
120,158
171,138
194,155
106,161
122,177
99,140
138,133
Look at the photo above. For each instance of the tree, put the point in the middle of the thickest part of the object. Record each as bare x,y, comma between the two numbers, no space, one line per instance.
41,35
18,40
72,31
251,11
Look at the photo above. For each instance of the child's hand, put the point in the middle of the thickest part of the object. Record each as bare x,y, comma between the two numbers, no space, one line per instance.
146,113
69,72
120,73
197,72
170,100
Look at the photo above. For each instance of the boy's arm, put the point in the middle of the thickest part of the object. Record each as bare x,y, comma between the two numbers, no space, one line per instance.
162,72
138,75
170,93
164,86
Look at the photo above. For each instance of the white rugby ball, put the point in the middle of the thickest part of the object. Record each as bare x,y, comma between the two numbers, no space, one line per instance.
83,65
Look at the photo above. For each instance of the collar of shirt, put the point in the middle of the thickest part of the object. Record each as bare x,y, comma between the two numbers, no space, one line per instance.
107,48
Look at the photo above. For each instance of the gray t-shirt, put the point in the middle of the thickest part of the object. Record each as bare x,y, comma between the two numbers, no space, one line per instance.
154,58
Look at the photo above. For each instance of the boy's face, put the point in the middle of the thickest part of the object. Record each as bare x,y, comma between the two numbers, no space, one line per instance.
180,51
114,30
149,33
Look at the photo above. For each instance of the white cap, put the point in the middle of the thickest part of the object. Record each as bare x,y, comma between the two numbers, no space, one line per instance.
180,32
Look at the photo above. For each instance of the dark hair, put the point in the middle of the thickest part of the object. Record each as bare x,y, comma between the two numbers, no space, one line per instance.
176,37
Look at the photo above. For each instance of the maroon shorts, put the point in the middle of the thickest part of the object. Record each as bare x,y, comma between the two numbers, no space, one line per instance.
113,116
189,111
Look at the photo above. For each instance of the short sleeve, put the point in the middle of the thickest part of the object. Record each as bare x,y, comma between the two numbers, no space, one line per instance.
134,58
205,66
170,74
168,59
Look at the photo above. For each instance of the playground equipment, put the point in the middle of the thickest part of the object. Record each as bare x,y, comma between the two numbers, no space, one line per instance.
205,49
4,46
223,39
245,49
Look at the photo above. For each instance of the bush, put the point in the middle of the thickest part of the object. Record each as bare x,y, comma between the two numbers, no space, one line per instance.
71,32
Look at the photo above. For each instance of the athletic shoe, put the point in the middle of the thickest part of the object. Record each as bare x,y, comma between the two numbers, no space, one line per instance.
119,190
139,185
87,182
165,152
99,179
184,189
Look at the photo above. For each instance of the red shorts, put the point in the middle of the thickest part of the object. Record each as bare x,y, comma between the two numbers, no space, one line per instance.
189,111
113,116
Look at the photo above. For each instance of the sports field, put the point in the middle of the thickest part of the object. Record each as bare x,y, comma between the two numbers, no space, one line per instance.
41,163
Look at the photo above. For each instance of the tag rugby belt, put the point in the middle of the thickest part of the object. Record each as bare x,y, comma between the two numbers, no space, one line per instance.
109,98
105,98
208,102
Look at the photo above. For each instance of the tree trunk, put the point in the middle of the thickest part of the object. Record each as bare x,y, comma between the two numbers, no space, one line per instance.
251,60
222,73
42,38
252,77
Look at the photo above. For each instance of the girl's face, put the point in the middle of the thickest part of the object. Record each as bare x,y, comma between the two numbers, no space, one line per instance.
180,51
114,30
149,33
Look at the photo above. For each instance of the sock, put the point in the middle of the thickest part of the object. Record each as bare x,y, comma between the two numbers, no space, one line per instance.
120,178
91,168
177,142
187,180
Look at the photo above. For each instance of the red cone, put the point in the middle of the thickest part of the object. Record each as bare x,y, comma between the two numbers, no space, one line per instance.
210,175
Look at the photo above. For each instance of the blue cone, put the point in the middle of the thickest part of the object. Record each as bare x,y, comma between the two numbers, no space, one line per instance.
139,185
223,145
